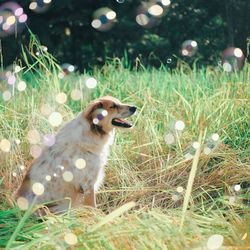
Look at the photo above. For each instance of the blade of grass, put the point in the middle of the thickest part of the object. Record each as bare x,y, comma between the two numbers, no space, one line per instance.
191,181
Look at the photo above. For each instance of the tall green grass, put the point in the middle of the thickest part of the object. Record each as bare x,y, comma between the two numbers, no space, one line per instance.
138,206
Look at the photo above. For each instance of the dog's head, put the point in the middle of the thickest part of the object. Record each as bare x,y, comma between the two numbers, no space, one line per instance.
107,113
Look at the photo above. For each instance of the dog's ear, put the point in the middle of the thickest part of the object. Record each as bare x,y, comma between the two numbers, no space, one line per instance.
88,113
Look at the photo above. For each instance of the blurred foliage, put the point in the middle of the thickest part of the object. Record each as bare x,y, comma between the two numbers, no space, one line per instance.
214,24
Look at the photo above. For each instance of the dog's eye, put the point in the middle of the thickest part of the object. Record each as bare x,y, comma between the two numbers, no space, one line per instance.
115,106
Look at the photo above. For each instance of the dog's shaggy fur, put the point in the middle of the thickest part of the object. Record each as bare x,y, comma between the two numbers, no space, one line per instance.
87,137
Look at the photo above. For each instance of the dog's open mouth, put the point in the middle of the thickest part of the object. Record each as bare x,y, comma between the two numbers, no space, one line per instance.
121,123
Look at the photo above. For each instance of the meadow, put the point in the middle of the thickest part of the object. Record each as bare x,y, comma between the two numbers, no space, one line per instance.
178,180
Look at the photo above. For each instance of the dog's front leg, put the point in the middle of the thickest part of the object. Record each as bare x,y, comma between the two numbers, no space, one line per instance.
89,198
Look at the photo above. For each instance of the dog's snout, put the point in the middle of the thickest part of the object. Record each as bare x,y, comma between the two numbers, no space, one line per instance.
132,109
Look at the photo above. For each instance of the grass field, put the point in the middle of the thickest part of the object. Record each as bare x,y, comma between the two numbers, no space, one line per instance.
159,191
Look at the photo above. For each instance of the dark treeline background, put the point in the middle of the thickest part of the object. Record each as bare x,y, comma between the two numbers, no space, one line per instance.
214,24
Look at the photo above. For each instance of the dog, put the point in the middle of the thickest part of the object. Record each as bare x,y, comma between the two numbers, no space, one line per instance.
70,172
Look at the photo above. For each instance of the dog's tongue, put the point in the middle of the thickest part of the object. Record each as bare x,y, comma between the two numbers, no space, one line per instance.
120,120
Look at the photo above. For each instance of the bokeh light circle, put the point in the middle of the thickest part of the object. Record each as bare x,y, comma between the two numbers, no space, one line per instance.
48,178
68,176
149,14
196,145
6,95
179,189
21,86
12,19
232,59
237,187
33,136
55,119
17,141
175,197
67,69
61,167
169,138
155,10
22,167
103,19
104,112
145,19
39,6
49,140
95,121
46,109
5,145
189,48
76,94
207,150
215,242
35,151
61,98
11,80
22,203
91,82
70,239
215,137
80,163
38,188
179,125
188,156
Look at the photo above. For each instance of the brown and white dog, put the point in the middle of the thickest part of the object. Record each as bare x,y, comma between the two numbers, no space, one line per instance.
73,168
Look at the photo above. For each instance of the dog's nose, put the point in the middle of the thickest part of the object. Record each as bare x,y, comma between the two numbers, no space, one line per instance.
132,109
